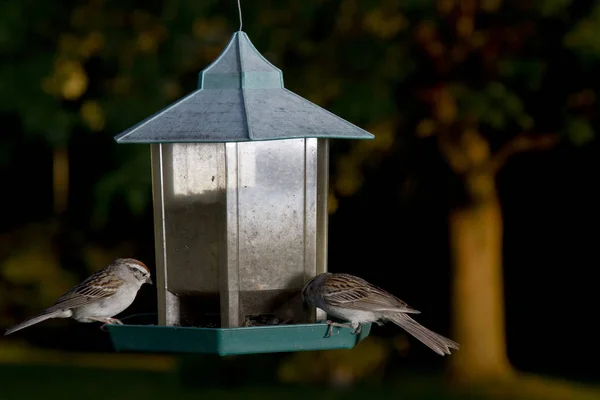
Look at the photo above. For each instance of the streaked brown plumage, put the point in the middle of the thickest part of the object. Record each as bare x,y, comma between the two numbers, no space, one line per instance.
98,298
353,299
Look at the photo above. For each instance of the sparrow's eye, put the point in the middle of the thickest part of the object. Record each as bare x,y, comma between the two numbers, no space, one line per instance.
138,274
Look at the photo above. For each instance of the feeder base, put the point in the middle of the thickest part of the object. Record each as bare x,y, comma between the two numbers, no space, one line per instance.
230,341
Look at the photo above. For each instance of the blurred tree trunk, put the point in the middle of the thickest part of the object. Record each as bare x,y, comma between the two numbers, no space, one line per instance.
60,178
475,230
478,302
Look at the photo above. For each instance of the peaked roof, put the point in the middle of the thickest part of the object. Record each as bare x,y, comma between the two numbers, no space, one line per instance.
240,98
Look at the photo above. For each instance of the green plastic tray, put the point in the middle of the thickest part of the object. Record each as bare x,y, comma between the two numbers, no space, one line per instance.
230,341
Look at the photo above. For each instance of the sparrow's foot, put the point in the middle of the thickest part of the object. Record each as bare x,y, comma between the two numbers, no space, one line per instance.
107,321
332,324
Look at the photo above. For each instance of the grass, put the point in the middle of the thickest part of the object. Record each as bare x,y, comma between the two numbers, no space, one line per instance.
23,382
65,382
27,373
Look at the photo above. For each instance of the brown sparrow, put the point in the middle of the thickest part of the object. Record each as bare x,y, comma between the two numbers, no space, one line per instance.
355,300
102,295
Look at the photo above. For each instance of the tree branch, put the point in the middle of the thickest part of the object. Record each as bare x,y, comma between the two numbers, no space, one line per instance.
456,158
520,144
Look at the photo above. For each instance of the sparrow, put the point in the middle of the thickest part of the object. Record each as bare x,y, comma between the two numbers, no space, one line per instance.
355,300
101,296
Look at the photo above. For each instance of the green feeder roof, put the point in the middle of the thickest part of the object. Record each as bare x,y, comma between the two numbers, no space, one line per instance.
240,98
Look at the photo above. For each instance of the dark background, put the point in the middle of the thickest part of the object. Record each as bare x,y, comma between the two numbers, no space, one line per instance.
389,225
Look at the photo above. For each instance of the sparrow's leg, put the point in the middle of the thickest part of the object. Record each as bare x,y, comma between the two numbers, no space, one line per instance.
107,321
332,324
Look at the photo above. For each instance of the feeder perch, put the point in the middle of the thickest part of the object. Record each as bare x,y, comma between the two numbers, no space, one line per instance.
240,185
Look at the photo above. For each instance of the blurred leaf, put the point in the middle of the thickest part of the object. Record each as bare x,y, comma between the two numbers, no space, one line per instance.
130,182
529,71
93,115
580,131
551,8
495,106
137,199
584,38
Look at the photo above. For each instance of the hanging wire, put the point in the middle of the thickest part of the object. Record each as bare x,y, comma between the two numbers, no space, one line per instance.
240,12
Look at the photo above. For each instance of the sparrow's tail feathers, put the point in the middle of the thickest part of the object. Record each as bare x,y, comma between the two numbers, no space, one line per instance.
434,341
32,321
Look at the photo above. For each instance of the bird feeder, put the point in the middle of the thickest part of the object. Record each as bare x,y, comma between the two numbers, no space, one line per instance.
240,185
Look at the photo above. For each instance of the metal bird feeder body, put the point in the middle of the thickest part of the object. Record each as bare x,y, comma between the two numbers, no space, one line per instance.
240,184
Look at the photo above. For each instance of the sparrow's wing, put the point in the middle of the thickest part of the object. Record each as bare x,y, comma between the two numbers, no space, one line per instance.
347,291
98,286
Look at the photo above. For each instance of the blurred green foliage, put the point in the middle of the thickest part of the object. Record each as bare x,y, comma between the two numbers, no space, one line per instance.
97,383
102,66
123,384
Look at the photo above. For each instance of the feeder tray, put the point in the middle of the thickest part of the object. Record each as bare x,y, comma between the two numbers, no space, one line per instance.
231,341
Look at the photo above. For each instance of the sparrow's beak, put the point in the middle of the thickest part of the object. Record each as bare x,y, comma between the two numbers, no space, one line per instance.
149,281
